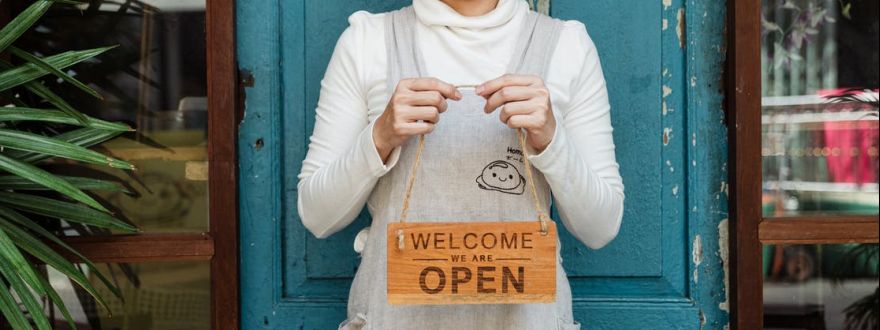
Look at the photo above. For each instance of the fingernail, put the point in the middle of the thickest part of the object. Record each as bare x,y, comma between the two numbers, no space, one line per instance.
479,90
457,95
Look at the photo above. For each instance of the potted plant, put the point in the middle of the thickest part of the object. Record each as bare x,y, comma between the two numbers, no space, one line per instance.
33,200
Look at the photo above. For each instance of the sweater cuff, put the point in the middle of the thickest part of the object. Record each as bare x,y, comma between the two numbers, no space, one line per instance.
376,166
553,151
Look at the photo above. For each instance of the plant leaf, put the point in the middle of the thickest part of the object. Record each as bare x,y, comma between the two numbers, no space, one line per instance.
53,70
22,267
45,93
12,215
56,299
47,145
21,23
55,116
12,311
769,26
817,17
24,292
14,182
12,259
28,72
49,180
64,210
41,251
84,137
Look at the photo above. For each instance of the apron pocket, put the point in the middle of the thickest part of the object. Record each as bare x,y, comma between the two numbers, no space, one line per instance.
358,322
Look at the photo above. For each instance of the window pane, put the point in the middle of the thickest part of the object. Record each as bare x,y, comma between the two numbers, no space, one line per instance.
821,286
155,80
819,106
171,295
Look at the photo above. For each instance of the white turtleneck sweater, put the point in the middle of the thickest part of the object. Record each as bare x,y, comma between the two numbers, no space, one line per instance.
342,165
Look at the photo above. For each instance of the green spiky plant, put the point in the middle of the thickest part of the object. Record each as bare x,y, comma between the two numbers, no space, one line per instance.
862,314
34,200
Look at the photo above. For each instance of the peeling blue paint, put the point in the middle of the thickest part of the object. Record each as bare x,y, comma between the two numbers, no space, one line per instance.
705,62
258,53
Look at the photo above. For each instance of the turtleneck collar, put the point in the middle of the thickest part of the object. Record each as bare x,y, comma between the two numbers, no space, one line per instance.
435,12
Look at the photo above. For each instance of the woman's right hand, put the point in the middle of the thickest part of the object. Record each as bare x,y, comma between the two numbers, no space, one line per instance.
414,109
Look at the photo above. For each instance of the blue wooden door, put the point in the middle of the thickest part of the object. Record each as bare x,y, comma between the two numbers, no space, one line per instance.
665,269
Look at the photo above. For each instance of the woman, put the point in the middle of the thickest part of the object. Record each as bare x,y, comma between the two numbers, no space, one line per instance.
398,75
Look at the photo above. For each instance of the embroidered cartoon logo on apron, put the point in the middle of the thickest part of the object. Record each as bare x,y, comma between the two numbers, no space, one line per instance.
501,176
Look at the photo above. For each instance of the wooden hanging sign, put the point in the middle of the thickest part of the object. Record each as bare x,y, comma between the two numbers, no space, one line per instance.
471,263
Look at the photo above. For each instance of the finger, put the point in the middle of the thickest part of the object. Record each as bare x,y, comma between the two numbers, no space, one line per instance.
416,128
426,113
434,84
428,98
509,94
492,86
524,121
515,108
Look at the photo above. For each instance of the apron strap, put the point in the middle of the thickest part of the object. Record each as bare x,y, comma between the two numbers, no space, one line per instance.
532,53
536,45
539,207
404,58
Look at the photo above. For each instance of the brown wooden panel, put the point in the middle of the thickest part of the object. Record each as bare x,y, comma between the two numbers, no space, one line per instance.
445,263
743,107
222,162
830,230
144,248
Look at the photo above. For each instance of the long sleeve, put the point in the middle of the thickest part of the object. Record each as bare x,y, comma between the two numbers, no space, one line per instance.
342,165
579,164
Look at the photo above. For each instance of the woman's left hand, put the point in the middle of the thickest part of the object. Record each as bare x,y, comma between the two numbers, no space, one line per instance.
524,103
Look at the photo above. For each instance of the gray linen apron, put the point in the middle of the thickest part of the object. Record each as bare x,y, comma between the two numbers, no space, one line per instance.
471,170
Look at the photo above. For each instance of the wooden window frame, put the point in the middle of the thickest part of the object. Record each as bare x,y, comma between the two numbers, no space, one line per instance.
219,244
748,228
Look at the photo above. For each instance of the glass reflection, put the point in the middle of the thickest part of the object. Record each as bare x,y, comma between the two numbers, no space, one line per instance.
821,286
819,106
156,80
166,296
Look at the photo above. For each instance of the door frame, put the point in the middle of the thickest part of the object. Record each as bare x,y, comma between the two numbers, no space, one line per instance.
749,228
223,216
219,244
690,87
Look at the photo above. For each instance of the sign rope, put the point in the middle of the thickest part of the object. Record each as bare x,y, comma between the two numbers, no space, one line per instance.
542,217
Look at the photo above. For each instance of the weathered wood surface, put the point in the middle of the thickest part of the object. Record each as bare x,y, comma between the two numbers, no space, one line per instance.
471,263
